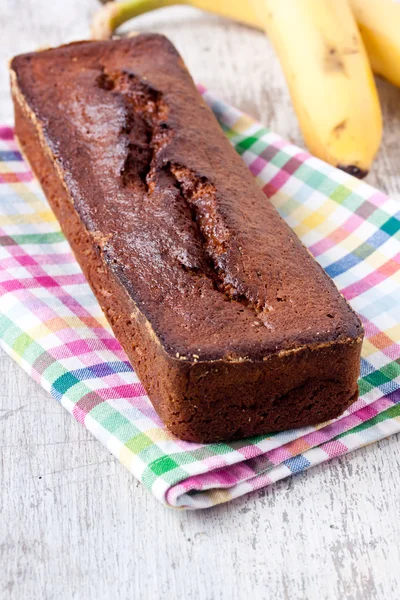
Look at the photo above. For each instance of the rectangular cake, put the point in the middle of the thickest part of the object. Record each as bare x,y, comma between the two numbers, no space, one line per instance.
231,325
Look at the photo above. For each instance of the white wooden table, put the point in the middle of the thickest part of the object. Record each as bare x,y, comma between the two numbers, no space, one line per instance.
75,524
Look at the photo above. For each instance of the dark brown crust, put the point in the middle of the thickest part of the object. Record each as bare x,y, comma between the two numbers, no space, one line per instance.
228,390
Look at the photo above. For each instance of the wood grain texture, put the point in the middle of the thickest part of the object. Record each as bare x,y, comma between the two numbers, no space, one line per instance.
75,525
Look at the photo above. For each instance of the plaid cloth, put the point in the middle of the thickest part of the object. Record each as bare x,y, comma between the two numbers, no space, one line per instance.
51,324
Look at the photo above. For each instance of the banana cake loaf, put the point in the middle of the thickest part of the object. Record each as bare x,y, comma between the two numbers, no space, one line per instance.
231,325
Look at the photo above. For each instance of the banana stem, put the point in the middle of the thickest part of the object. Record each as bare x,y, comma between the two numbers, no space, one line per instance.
123,11
114,14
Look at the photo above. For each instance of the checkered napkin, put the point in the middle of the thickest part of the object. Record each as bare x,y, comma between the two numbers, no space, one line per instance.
51,324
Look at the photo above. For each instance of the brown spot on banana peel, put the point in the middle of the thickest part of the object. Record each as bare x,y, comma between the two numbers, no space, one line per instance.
339,128
351,169
350,51
333,58
333,62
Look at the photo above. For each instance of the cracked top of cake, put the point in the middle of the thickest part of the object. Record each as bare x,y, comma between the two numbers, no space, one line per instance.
176,214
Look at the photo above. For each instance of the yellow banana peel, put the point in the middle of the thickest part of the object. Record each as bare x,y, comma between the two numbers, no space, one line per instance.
329,78
379,23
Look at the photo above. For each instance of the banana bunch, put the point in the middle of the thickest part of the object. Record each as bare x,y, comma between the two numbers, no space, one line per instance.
327,49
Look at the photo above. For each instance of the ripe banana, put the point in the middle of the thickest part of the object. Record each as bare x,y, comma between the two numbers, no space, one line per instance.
329,78
379,23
